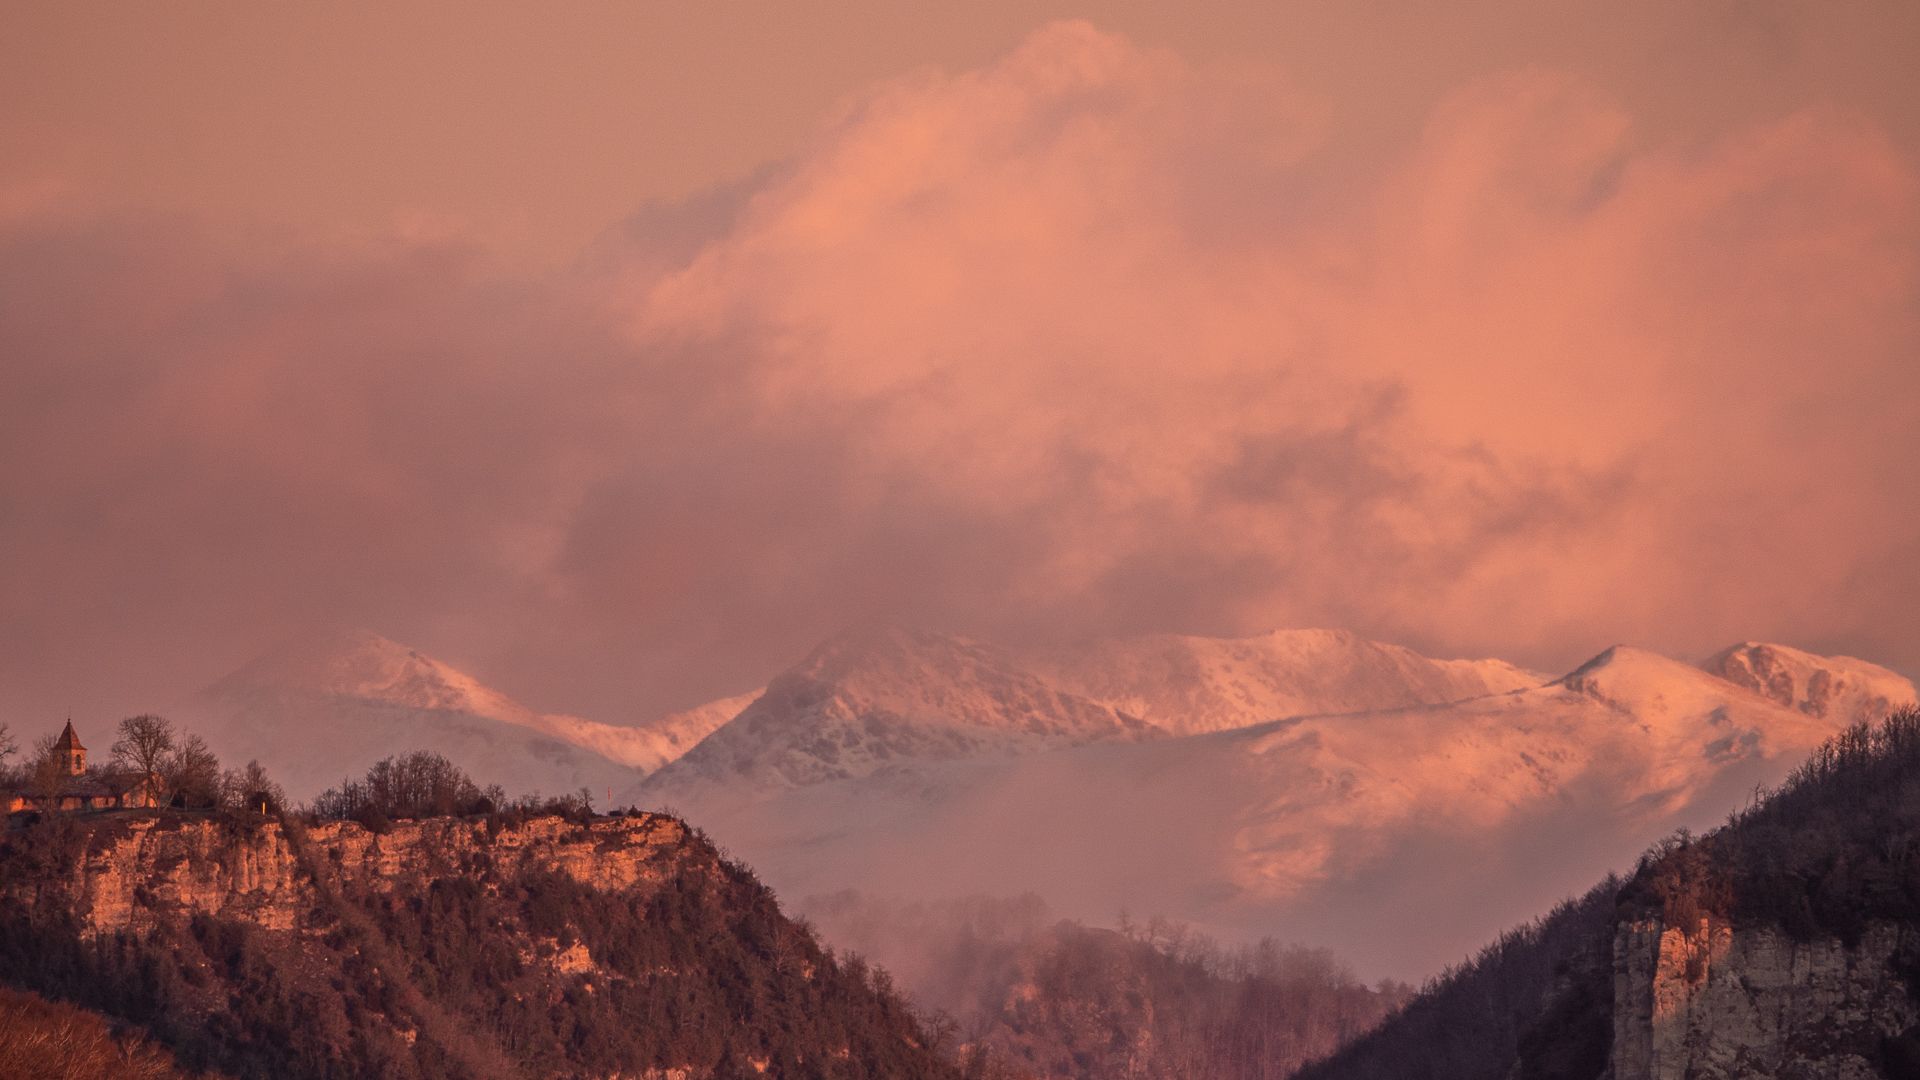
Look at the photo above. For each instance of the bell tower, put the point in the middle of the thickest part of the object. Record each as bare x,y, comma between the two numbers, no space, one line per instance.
68,751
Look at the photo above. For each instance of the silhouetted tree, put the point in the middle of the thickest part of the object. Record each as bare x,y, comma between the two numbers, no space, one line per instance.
412,785
192,774
46,772
145,743
252,789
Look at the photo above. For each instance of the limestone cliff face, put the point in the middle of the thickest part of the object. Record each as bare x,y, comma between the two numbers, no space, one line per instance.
536,947
1727,1003
153,867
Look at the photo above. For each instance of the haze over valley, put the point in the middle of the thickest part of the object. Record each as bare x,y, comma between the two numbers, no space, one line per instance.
1308,784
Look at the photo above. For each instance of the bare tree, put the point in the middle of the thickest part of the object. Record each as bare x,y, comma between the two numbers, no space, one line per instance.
192,773
145,742
7,749
252,789
46,772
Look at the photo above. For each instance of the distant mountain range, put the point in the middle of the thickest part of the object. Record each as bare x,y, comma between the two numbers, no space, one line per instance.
1309,783
1405,809
320,709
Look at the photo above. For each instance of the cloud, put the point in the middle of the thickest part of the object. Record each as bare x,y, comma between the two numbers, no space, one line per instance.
1533,385
1090,340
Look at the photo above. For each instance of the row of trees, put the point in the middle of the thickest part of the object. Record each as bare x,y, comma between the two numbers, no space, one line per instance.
183,771
179,766
419,784
423,784
1834,848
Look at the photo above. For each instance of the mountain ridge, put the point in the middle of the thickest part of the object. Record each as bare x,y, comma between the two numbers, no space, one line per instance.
318,707
1188,684
865,701
1300,819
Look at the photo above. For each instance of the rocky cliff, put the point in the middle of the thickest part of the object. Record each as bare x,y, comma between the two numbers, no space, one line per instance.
486,946
1718,1002
140,871
1782,946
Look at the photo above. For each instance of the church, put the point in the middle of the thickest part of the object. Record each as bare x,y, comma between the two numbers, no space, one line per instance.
68,785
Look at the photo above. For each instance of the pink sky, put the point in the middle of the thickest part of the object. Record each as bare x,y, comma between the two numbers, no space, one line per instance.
621,356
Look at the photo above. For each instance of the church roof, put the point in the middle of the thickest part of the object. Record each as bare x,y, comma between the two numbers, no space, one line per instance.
68,740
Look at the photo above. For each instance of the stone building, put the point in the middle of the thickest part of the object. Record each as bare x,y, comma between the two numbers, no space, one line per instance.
71,786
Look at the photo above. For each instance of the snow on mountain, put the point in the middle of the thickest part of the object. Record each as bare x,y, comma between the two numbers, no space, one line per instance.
1815,685
891,699
363,665
318,710
1187,685
1310,784
652,745
883,698
1399,837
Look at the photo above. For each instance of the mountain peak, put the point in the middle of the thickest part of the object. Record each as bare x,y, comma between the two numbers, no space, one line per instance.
1634,679
1624,660
364,665
1815,685
883,696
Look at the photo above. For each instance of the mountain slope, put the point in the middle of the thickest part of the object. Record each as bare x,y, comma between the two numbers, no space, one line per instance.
646,747
879,699
1396,837
496,947
1785,944
886,699
1816,685
41,1038
1188,685
314,711
1054,998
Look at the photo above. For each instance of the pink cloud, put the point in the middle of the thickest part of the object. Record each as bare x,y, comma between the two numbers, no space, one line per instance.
1089,340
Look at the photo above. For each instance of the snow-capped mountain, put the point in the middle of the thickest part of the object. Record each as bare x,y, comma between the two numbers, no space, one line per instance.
1815,685
1397,836
1187,685
889,699
885,698
318,710
1307,783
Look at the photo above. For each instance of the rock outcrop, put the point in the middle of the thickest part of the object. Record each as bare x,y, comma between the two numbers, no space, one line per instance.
487,946
1724,1003
1784,945
141,870
1816,685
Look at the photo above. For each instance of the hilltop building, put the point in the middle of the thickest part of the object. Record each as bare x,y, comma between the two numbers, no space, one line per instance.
69,753
71,786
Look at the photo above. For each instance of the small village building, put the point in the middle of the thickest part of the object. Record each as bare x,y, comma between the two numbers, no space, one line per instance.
74,787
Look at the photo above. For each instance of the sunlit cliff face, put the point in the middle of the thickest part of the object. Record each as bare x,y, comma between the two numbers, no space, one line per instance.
1092,338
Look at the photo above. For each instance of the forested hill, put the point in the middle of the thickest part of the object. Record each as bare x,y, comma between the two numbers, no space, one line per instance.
489,945
1784,944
